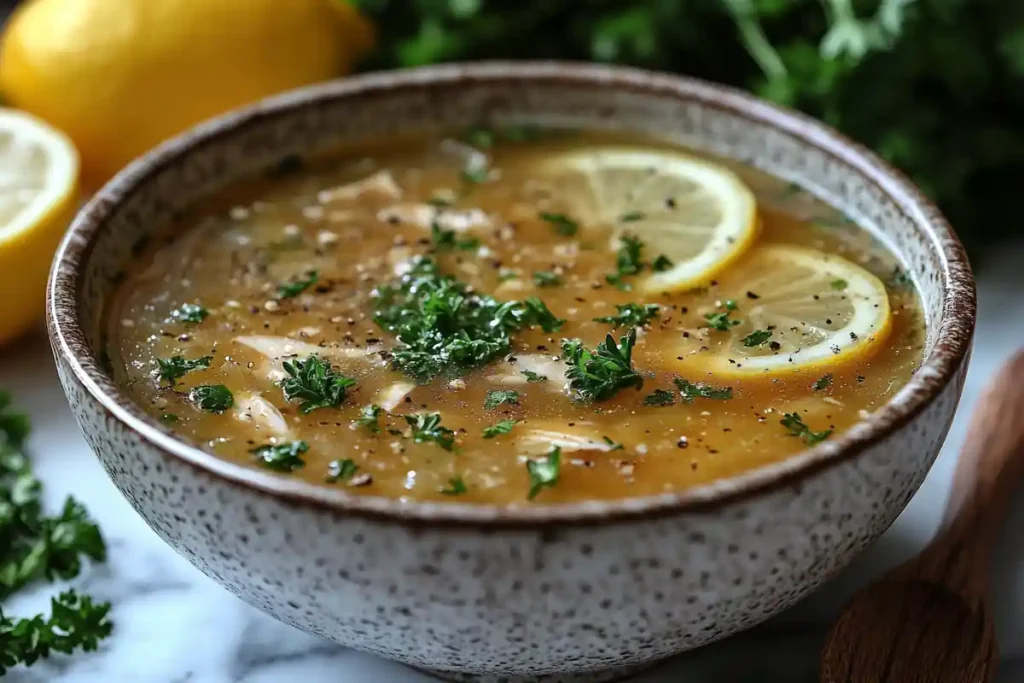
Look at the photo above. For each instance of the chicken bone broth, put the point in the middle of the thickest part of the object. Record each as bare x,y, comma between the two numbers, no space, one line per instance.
512,318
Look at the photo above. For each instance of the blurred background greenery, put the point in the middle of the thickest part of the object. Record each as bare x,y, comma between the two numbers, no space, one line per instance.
935,86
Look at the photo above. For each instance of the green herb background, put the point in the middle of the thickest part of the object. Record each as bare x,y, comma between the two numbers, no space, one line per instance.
934,86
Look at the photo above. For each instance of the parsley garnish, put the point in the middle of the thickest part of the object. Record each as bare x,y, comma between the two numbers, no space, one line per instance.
660,397
282,457
563,225
632,216
796,427
546,278
369,417
631,315
720,321
341,470
496,397
823,382
661,264
314,383
189,313
172,369
503,427
544,472
213,398
532,376
456,487
598,375
447,239
627,261
757,338
476,176
444,327
36,546
440,202
426,428
839,285
289,290
690,390
615,446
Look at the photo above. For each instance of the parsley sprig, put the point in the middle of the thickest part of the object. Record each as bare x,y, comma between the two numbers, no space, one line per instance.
499,428
544,472
172,369
427,428
282,457
795,425
600,374
497,397
314,383
290,290
631,315
693,390
720,320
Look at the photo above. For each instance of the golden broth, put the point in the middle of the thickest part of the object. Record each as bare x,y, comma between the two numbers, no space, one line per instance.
233,255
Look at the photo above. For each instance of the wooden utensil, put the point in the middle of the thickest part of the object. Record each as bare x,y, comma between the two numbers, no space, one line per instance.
927,620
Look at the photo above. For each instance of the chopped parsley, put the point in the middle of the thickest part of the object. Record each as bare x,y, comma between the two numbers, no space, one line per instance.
839,285
823,382
483,137
796,427
189,313
721,321
627,262
282,457
661,264
499,428
660,397
631,315
290,290
456,487
615,446
369,417
544,471
341,470
448,239
212,398
692,390
439,202
314,383
427,428
480,137
757,338
532,376
563,225
598,375
546,278
172,369
632,216
443,327
497,397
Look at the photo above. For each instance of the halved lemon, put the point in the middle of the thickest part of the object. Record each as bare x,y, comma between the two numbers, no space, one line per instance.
790,309
38,197
697,214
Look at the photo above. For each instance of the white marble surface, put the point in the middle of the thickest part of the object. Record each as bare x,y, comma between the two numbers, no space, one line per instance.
174,625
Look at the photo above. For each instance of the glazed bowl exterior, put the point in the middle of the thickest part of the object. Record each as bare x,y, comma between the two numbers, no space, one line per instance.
585,591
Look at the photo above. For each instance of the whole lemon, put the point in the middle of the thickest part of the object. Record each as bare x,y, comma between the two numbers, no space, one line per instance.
120,76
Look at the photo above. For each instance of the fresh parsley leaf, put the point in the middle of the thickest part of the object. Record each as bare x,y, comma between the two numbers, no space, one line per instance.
690,390
314,383
497,397
532,376
282,457
536,312
427,428
441,238
544,472
456,487
757,338
563,225
796,427
467,244
369,417
839,285
75,623
600,374
631,315
498,428
627,261
615,446
823,382
480,137
172,369
632,216
660,397
341,470
189,313
661,264
212,398
290,290
721,321
504,275
546,278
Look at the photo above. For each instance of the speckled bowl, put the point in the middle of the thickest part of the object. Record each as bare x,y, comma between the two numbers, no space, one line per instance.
581,592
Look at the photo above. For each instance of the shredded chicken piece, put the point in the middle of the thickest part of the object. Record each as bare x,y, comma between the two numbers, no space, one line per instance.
549,366
381,184
251,407
391,397
425,216
539,441
279,349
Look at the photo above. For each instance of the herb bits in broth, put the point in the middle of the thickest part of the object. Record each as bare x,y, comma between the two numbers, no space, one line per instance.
512,317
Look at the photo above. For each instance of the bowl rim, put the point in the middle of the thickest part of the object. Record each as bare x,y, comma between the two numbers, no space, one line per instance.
953,330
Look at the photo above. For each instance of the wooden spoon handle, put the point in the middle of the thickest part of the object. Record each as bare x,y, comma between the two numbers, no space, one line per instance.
990,468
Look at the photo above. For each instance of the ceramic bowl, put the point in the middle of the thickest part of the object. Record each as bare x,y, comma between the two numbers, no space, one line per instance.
577,592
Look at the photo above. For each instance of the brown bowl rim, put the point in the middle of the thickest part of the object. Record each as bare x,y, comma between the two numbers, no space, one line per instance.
953,334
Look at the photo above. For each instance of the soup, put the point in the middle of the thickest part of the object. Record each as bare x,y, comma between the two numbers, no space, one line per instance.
512,316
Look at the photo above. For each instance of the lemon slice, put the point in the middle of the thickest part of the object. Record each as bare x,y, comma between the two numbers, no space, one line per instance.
38,196
698,214
798,310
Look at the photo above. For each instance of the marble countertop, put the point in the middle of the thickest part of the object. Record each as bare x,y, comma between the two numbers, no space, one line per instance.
174,625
